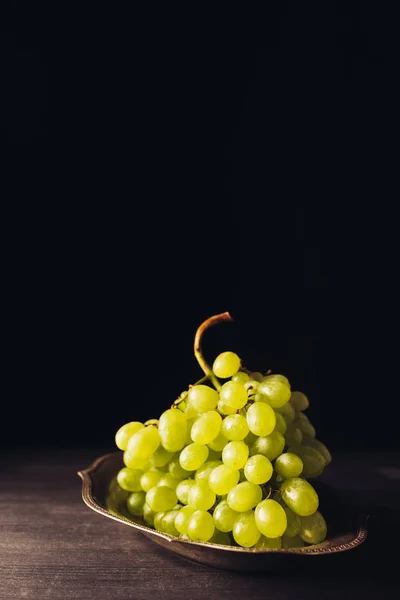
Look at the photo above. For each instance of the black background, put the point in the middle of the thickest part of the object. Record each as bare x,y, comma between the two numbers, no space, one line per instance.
169,166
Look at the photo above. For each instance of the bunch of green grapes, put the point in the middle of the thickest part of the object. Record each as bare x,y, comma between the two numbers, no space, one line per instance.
228,466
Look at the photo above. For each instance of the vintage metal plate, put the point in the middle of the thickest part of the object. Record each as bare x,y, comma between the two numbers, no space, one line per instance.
347,526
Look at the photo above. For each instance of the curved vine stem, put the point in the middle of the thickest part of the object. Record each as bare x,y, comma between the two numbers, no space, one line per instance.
197,345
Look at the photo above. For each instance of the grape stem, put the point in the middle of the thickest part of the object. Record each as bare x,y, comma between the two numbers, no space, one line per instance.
197,345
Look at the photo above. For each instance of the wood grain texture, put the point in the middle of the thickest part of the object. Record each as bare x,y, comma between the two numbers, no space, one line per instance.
53,546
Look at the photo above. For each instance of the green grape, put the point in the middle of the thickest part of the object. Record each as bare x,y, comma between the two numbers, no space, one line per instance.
226,364
293,523
281,424
129,479
300,496
206,428
189,425
270,518
148,515
277,377
161,457
182,490
233,394
293,435
193,456
299,401
203,398
201,526
214,455
168,522
258,469
245,531
251,387
176,470
261,419
313,462
256,376
277,391
222,479
132,462
250,439
306,428
292,542
203,472
244,496
235,455
234,427
183,517
240,377
172,429
144,442
125,432
221,538
224,517
168,480
322,449
150,479
288,412
158,520
224,409
200,496
161,498
313,528
270,446
190,411
288,465
271,543
135,503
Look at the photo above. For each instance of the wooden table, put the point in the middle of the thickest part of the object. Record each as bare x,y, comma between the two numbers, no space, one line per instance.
53,546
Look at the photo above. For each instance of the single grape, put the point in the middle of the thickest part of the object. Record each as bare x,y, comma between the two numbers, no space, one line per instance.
281,424
293,523
234,427
226,364
168,480
250,439
182,490
148,515
300,496
256,376
203,398
313,462
132,462
168,522
224,410
125,432
306,428
190,411
161,498
293,435
158,520
261,419
270,518
193,456
288,412
270,543
224,517
270,446
222,479
241,377
235,455
322,449
292,542
175,469
135,503
206,428
233,394
244,496
144,442
204,471
221,538
183,517
172,429
288,465
129,479
149,479
161,457
201,526
277,391
313,528
299,401
245,531
258,469
189,425
200,496
214,455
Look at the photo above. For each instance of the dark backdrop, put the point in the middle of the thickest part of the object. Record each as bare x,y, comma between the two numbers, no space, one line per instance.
169,166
